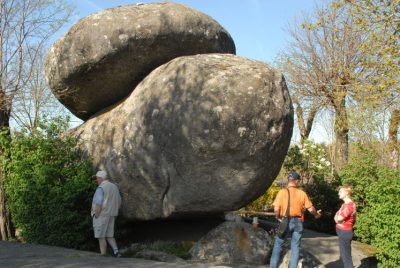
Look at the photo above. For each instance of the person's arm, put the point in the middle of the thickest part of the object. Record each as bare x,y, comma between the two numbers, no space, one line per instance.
119,200
338,219
310,207
344,213
277,205
277,212
313,211
97,210
98,201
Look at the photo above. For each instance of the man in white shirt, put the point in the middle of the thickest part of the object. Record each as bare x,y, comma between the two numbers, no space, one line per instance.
105,206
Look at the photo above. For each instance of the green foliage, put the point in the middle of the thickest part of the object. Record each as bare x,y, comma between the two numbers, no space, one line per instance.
324,197
264,200
48,186
309,159
377,189
380,20
361,172
294,159
379,222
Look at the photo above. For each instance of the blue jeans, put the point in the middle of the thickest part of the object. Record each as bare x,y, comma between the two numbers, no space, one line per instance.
296,231
345,237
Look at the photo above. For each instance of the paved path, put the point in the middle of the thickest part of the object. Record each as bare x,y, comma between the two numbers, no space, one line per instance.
17,255
323,247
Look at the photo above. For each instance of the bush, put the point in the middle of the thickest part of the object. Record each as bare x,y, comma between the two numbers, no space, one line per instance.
379,222
48,187
324,197
310,160
264,200
360,173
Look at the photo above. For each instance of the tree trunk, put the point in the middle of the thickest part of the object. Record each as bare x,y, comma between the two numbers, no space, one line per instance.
305,128
6,229
393,142
341,129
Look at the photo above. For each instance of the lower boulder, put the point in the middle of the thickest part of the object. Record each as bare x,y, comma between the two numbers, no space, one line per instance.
234,243
200,135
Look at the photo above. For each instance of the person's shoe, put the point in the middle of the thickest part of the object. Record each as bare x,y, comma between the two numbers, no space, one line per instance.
117,254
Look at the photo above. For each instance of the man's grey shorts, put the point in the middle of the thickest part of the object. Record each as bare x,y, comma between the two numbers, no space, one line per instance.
103,226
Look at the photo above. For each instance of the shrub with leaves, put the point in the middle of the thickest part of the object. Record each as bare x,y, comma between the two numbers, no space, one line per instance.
360,173
379,222
48,186
309,159
324,197
264,200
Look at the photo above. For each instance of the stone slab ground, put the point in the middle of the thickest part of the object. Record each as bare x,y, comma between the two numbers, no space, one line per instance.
12,254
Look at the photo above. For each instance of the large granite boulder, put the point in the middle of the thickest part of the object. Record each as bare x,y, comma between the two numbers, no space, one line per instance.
199,135
234,243
101,59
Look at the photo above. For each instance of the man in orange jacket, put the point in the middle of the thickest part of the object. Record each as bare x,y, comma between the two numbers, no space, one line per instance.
298,202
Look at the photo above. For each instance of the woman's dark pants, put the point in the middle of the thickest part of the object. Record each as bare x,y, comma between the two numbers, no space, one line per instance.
345,237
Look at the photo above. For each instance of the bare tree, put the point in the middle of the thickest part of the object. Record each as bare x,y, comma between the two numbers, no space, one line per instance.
305,124
323,62
35,99
306,109
380,21
25,28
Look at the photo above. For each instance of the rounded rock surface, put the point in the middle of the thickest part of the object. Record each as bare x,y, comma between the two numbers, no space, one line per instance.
234,243
199,135
101,59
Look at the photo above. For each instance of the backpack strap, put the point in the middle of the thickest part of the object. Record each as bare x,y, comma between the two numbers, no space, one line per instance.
288,205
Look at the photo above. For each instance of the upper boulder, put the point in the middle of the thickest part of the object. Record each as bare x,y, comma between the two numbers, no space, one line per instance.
101,59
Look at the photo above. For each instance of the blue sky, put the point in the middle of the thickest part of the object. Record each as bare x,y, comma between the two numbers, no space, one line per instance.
258,27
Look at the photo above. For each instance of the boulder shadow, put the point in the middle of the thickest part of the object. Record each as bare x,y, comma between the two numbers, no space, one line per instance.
334,264
369,262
